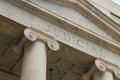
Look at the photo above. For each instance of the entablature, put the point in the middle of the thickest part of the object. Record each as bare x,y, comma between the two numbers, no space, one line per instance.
56,19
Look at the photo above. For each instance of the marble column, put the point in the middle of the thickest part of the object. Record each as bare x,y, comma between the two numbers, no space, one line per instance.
103,75
34,62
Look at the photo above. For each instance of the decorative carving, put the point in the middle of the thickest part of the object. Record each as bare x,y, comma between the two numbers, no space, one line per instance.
53,44
33,34
103,65
100,65
117,73
30,35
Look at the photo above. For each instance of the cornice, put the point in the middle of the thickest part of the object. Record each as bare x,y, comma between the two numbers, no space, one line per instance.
59,20
110,26
95,15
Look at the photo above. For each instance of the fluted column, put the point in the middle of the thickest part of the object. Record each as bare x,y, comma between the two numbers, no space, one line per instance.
34,62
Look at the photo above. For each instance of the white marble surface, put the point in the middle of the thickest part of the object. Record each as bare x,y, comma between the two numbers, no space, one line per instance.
34,62
65,36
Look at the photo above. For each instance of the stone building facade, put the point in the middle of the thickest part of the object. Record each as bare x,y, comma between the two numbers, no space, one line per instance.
59,40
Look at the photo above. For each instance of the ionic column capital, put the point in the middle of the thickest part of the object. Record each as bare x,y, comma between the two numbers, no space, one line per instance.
103,65
33,35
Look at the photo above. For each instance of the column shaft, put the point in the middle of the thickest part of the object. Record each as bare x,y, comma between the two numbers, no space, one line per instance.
34,62
100,75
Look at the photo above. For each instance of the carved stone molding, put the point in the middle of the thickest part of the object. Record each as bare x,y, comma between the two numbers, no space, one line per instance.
33,34
53,44
30,35
103,65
